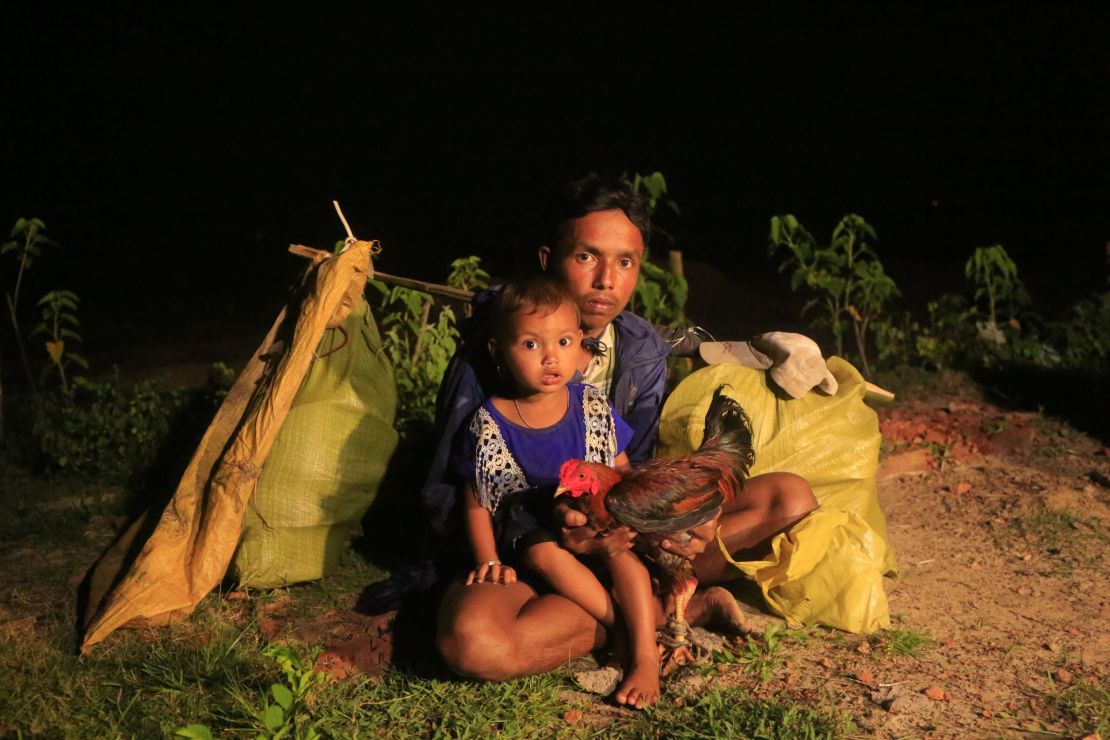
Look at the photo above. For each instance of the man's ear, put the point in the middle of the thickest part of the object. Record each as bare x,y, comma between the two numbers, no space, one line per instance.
491,347
544,254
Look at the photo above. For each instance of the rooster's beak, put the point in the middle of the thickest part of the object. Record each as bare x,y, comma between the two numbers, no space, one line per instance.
560,491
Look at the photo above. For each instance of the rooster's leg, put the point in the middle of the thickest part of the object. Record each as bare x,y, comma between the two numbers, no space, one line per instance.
676,650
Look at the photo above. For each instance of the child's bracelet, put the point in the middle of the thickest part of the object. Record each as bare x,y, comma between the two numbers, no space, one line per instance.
490,563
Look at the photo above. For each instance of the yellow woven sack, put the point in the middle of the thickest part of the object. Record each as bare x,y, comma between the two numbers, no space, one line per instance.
826,569
831,441
327,461
164,564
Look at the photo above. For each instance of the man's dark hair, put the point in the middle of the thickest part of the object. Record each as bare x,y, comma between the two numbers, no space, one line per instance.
594,193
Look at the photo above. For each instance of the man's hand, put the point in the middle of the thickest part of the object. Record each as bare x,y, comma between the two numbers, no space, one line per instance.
701,537
580,539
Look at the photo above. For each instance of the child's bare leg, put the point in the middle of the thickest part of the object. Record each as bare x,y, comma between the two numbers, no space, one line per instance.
569,577
632,584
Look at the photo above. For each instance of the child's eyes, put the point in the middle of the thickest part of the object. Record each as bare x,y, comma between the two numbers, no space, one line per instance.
564,342
530,344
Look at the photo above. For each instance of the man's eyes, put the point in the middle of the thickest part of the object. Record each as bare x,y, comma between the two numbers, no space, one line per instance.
587,257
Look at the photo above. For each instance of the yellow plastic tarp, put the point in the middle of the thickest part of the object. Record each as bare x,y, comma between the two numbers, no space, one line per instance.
828,567
193,540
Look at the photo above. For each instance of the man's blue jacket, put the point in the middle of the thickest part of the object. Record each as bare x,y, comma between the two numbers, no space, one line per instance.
639,384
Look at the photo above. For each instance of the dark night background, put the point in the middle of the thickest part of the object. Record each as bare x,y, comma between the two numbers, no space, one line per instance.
175,154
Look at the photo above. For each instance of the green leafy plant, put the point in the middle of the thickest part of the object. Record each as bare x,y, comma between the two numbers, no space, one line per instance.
284,711
661,292
420,335
949,335
1083,336
288,715
59,325
996,278
25,243
845,277
467,274
102,431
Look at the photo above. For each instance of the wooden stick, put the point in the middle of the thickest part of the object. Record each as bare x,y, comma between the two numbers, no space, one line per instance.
347,226
872,392
435,288
674,258
423,330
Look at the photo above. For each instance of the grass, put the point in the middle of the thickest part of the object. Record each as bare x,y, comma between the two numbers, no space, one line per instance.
734,713
212,671
761,655
1054,527
207,672
905,642
1088,704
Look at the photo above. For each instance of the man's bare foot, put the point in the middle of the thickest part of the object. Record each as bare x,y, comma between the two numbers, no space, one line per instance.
640,687
717,609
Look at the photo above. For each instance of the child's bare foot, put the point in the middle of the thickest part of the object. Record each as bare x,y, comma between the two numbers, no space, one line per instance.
640,687
717,609
621,654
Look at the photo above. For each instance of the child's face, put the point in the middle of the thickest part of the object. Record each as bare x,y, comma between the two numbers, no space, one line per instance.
542,349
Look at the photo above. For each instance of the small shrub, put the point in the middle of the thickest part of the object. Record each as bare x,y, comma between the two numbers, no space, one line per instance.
102,431
1083,336
59,326
420,335
660,294
845,278
996,279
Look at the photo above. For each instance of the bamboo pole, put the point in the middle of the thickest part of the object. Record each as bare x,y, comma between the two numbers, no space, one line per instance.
674,258
435,288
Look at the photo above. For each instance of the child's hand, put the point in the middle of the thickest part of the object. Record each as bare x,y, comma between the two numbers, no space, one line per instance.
493,571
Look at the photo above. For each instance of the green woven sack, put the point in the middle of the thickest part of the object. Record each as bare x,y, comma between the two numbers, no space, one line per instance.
327,461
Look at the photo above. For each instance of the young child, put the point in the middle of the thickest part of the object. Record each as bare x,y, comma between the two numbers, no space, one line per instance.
511,451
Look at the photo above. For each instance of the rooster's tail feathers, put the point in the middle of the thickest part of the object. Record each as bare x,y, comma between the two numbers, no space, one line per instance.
728,427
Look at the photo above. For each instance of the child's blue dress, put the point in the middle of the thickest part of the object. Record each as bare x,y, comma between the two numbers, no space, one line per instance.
515,469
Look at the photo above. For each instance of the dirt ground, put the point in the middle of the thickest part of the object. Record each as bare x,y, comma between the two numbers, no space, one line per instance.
999,521
1000,528
1000,611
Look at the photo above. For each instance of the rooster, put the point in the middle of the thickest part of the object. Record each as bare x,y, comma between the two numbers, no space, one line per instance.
672,499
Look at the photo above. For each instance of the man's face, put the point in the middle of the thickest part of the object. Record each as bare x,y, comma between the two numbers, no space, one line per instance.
598,257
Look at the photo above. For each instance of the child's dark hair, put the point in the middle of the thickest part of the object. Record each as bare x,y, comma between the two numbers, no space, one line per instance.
528,293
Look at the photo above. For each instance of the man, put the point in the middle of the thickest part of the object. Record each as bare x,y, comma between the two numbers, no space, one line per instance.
496,631
599,244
